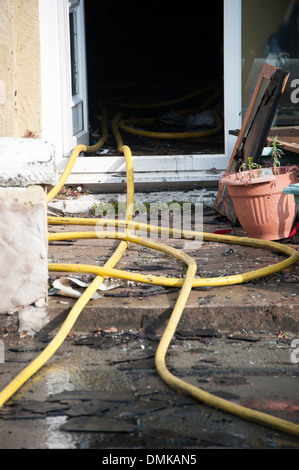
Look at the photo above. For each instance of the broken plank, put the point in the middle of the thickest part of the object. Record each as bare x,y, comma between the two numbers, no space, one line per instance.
254,132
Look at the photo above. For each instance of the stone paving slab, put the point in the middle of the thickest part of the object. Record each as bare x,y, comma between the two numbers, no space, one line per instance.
267,304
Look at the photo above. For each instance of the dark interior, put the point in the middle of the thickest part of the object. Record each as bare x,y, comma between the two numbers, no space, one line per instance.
149,52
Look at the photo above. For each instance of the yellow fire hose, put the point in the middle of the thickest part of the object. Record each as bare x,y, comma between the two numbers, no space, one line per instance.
131,126
185,284
126,125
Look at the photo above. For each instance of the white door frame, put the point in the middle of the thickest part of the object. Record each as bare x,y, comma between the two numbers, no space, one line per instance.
232,45
55,70
57,104
57,100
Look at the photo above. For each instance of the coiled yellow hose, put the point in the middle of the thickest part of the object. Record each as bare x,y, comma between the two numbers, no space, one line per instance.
131,125
126,125
185,284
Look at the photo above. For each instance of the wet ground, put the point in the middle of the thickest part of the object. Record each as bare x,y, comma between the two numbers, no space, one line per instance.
101,390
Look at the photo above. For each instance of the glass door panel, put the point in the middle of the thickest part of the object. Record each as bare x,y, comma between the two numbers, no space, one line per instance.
78,72
270,34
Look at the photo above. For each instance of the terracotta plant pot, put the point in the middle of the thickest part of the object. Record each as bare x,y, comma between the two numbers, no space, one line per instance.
261,207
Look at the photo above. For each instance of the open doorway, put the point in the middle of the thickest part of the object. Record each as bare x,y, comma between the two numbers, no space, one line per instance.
161,65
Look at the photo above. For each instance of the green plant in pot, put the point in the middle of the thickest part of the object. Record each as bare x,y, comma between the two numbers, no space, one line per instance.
257,193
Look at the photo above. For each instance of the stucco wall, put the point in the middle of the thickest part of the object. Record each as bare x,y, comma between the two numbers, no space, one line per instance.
20,89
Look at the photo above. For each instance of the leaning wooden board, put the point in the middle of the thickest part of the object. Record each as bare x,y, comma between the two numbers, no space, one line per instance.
288,137
253,135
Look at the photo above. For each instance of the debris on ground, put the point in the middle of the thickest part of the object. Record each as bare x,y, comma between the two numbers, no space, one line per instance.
74,287
102,383
111,396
